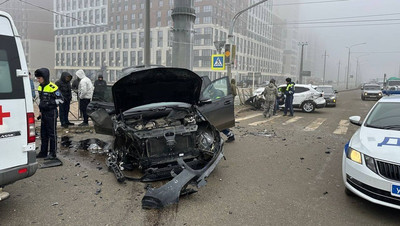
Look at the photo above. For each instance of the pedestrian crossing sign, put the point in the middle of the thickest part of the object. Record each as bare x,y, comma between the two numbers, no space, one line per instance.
218,62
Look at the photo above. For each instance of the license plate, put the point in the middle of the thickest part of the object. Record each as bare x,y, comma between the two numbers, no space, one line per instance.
395,190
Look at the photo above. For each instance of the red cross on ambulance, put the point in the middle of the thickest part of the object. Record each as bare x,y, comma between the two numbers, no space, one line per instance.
3,115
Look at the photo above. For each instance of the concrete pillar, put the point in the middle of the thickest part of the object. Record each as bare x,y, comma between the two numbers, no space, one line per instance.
183,16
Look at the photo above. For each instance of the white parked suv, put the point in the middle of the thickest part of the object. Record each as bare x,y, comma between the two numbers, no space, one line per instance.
305,97
17,120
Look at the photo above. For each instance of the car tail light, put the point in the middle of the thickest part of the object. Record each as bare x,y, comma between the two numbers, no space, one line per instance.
31,127
24,170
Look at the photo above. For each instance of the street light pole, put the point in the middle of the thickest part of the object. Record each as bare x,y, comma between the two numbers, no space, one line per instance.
357,68
147,34
230,34
301,60
338,74
348,63
323,79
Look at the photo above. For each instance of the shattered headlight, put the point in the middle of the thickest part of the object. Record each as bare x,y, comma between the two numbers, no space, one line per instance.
370,162
206,141
354,155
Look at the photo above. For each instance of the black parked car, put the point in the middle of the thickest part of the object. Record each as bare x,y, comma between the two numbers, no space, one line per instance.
166,125
329,94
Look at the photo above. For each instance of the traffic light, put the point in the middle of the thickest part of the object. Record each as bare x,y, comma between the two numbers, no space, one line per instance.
227,53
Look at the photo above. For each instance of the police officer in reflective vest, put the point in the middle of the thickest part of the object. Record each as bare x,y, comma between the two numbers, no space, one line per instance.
50,97
289,91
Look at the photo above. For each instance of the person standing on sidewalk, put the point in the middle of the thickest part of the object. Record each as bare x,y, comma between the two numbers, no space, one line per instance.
100,87
289,91
50,97
85,94
270,93
64,85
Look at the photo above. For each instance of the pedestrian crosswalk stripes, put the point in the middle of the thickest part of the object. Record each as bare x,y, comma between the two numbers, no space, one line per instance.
263,121
342,128
315,124
292,120
312,126
248,117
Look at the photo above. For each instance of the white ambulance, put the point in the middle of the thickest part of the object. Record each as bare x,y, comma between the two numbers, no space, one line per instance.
17,120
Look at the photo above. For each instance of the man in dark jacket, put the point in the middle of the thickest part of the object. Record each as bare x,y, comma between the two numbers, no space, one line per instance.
99,88
50,97
64,86
289,91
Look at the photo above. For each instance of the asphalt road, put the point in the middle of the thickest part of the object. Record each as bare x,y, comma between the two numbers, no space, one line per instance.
277,172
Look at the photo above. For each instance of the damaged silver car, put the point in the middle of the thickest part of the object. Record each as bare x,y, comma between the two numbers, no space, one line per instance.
165,122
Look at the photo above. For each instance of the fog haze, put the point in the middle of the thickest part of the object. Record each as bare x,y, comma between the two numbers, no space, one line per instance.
378,38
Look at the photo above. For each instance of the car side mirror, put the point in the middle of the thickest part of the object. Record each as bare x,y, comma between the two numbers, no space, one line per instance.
355,120
205,101
336,91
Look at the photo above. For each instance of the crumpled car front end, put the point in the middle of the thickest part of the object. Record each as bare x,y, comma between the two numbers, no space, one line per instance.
165,140
160,131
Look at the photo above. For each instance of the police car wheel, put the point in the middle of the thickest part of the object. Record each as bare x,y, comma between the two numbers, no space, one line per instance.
308,106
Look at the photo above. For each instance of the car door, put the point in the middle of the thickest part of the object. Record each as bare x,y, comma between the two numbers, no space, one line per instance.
14,102
100,110
220,111
300,95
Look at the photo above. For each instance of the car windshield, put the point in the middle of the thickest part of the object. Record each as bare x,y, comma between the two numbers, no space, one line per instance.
385,116
325,89
394,83
372,87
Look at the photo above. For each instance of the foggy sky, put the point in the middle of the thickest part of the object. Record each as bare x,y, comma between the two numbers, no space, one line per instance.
382,38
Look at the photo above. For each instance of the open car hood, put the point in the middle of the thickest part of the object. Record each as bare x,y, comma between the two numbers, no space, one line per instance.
156,85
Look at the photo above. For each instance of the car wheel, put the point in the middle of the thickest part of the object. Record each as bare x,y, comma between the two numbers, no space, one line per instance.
362,98
308,106
348,192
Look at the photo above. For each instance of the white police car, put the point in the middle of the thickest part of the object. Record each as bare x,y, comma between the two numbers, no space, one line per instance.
371,159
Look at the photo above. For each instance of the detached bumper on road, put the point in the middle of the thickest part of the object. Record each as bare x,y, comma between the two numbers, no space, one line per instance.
156,198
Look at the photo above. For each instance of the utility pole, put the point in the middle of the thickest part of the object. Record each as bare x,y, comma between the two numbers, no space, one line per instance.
183,16
323,79
301,60
147,35
348,63
338,74
230,34
357,69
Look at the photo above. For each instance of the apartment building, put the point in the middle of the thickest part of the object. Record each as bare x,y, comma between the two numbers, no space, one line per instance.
35,26
104,36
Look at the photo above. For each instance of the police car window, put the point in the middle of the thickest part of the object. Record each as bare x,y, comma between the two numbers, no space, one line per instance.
383,115
5,75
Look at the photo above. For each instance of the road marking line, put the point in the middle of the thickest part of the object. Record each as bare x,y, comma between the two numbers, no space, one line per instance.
292,120
342,128
248,117
264,121
314,125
